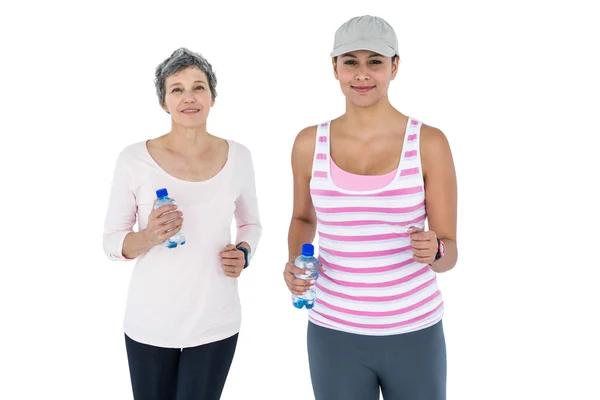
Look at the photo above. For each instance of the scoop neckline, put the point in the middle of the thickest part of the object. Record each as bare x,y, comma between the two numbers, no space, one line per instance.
183,181
373,191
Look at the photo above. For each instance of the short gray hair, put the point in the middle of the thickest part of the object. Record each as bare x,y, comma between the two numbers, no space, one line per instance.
181,59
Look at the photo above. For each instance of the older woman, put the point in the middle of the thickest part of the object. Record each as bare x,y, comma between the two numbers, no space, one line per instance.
183,310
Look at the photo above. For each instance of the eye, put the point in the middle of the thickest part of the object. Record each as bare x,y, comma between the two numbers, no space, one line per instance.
176,90
376,62
199,87
349,62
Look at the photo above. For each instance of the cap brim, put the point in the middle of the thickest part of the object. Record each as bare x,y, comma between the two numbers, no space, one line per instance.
374,46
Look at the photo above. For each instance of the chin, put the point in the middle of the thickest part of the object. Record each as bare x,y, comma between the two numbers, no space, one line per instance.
363,102
192,124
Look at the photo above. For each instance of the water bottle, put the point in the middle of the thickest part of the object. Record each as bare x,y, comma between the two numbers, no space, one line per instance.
164,199
308,262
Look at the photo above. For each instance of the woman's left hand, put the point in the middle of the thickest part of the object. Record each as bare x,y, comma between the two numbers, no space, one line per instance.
424,245
232,261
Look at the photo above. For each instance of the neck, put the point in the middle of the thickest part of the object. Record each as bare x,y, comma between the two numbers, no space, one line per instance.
188,141
373,119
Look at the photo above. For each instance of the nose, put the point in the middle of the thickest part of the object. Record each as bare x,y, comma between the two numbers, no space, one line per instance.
188,97
361,73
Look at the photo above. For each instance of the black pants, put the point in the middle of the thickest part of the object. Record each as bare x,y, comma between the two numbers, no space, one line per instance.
194,373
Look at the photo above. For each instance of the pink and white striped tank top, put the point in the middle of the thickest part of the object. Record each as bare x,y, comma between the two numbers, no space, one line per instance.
372,285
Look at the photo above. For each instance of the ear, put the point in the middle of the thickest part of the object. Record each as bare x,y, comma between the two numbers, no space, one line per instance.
212,102
334,64
164,107
395,65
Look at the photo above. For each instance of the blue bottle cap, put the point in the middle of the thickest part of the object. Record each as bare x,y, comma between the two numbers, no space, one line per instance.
161,193
308,250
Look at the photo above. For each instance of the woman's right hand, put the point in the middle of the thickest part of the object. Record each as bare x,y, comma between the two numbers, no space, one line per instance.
163,222
296,285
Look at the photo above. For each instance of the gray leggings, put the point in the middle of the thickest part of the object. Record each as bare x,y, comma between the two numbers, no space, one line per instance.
346,366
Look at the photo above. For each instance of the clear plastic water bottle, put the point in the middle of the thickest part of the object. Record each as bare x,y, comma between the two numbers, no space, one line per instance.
164,199
306,261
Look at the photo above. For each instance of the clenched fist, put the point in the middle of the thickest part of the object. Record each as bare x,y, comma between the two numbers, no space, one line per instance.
232,261
424,245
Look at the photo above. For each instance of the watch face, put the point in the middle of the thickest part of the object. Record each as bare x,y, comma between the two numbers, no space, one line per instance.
441,248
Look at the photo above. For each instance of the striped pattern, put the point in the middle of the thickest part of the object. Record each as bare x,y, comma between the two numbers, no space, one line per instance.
410,171
372,285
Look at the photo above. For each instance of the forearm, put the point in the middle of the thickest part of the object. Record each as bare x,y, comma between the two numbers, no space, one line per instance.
448,261
249,234
135,244
249,228
300,232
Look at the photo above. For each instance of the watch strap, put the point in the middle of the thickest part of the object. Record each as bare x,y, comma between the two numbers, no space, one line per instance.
441,249
246,254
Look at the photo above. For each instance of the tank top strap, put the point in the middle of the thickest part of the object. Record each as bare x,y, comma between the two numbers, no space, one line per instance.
321,157
410,159
412,138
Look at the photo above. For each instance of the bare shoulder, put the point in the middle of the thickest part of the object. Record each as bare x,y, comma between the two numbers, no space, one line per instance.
303,151
435,148
304,144
305,140
433,139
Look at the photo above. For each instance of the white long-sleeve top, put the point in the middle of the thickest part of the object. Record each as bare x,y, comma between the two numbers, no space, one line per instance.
180,297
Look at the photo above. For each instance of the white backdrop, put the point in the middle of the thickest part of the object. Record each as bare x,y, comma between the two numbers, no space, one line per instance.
513,85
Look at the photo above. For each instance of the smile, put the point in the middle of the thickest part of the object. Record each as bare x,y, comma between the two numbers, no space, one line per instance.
363,89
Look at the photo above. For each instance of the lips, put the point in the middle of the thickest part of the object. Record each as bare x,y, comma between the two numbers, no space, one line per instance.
363,89
190,111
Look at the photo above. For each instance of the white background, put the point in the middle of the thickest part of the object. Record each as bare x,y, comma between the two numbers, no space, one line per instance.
514,86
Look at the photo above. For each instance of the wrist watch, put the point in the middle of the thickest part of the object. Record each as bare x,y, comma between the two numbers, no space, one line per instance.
246,254
440,252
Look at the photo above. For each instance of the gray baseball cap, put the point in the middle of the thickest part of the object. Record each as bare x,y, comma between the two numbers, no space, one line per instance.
365,33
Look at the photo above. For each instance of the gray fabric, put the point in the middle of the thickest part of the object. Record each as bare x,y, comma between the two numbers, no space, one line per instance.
409,366
365,33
